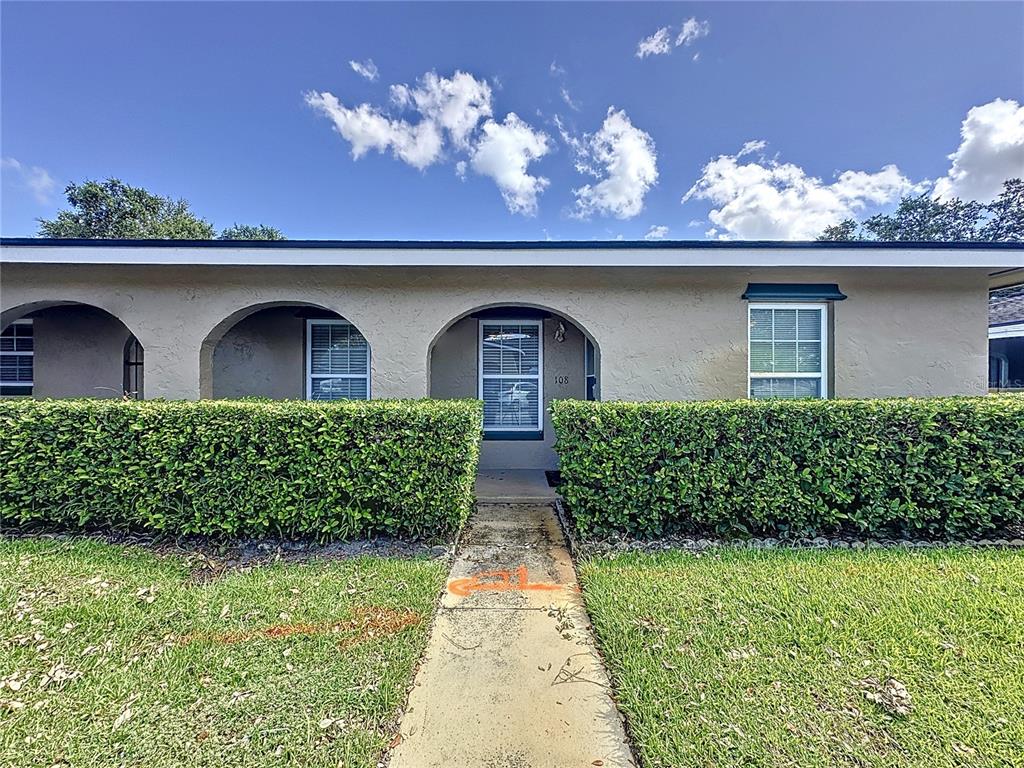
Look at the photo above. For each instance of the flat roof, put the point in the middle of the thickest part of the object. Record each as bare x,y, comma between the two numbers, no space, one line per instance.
488,253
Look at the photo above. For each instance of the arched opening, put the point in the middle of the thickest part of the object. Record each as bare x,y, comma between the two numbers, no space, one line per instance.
66,349
517,358
285,350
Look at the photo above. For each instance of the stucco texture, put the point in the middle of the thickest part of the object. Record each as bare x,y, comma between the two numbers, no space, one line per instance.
262,356
662,333
79,352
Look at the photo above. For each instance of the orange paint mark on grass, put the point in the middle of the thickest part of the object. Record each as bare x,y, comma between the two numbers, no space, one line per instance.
498,581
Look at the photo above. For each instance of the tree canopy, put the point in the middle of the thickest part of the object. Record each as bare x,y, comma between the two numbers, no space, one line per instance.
251,232
924,218
115,210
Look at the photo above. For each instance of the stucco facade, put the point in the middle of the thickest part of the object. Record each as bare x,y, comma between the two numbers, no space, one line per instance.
662,332
83,354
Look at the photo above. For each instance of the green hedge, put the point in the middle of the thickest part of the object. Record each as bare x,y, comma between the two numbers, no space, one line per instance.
936,467
240,468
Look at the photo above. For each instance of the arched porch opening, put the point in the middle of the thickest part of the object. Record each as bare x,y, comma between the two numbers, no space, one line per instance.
517,358
285,350
65,349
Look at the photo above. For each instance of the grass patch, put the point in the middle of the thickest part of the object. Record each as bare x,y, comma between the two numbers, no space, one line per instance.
113,655
747,658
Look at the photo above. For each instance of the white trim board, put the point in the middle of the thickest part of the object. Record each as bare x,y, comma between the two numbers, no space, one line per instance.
1012,331
517,257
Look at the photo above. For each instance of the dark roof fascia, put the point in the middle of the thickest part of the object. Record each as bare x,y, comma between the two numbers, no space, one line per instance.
514,245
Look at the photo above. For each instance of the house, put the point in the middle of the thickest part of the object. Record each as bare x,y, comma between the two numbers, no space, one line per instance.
516,324
1006,338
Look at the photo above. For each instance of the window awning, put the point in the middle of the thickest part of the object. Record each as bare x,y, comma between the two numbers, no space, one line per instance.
793,292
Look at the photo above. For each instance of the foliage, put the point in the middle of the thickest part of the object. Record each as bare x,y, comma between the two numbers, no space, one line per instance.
113,209
923,218
939,467
1007,215
777,658
251,232
242,468
118,655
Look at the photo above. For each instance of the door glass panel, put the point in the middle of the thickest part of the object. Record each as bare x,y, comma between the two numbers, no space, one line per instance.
510,376
511,404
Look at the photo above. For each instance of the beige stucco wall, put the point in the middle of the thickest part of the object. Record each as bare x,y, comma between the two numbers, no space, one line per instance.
663,333
262,356
454,370
79,352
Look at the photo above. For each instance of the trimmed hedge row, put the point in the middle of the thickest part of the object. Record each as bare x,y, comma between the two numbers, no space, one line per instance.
240,468
934,467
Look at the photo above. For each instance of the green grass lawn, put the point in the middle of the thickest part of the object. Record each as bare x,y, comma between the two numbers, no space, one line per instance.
117,656
782,658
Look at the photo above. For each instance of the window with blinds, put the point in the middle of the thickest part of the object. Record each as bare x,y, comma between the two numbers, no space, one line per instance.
337,361
511,364
788,350
17,350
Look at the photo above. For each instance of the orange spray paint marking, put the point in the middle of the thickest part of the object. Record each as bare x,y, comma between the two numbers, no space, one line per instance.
498,581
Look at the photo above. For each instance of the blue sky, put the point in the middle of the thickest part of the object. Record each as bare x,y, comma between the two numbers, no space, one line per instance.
774,117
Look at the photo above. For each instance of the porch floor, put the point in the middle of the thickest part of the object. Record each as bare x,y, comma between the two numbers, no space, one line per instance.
511,486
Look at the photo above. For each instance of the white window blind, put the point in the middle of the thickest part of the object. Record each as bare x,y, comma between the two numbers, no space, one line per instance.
787,350
17,350
511,362
337,361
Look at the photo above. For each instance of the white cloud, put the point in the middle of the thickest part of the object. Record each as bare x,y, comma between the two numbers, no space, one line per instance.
503,153
991,151
750,147
655,45
766,200
624,158
657,232
661,41
556,69
692,30
455,118
365,127
567,98
366,69
38,180
456,104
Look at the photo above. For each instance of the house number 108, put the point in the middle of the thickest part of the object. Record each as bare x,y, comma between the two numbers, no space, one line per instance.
561,379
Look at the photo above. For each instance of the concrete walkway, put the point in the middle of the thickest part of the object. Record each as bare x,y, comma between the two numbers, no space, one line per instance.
511,678
515,486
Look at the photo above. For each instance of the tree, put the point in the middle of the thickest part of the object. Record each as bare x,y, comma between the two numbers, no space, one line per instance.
251,232
113,209
1007,222
843,231
924,218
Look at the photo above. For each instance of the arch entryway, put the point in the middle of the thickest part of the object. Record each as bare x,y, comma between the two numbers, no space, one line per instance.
285,350
517,357
66,349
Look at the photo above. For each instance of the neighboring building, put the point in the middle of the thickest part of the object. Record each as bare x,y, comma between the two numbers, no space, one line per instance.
516,324
1006,338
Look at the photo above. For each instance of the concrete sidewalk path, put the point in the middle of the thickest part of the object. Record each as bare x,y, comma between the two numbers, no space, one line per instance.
511,678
